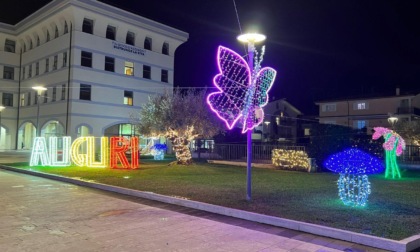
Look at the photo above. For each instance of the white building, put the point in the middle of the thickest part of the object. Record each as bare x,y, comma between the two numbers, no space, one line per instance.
98,63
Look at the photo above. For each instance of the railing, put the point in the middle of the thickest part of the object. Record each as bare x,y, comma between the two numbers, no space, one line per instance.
237,152
408,110
411,155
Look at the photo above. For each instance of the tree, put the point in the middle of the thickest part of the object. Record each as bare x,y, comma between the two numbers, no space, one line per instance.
180,117
410,131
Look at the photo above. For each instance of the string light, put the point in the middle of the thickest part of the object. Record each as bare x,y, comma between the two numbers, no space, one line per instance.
180,144
353,165
158,151
39,151
91,162
394,146
292,159
242,93
65,152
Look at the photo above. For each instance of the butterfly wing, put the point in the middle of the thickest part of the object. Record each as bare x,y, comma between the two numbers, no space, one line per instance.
263,83
232,83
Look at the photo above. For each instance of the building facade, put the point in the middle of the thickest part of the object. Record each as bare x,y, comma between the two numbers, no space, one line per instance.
369,112
98,63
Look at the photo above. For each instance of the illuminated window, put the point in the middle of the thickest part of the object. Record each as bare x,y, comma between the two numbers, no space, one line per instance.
361,106
9,46
86,59
164,76
85,92
22,100
307,132
148,43
8,73
165,48
87,26
128,98
130,38
360,124
129,68
110,32
109,64
146,72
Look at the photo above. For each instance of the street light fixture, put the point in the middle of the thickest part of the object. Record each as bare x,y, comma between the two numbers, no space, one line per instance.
392,120
1,109
39,90
250,39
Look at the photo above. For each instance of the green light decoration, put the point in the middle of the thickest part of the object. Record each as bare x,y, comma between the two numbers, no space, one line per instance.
394,145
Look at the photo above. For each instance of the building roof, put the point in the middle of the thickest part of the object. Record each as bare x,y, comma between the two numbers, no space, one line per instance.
358,98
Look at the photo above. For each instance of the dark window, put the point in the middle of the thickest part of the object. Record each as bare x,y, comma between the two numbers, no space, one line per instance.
86,59
36,98
56,32
29,99
47,64
148,43
64,59
55,62
130,38
87,26
36,68
37,41
24,47
164,76
110,32
128,98
45,96
66,28
146,72
48,36
30,44
8,99
85,92
54,94
165,48
9,46
23,72
8,73
109,64
30,71
63,92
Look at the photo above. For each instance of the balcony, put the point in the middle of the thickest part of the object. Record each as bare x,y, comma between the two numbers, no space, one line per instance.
408,110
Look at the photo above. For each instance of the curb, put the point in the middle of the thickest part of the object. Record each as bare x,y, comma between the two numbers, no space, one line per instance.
407,244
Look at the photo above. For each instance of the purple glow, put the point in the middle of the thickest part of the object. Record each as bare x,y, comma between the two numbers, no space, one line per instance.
233,82
391,137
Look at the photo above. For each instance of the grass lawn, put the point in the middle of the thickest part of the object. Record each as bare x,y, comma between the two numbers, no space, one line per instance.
393,209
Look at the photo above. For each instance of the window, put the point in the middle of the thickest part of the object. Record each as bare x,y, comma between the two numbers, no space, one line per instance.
55,62
87,26
64,59
85,92
110,32
7,99
8,73
54,94
30,71
307,132
63,92
46,96
146,72
360,124
360,106
109,64
36,98
47,64
37,41
22,100
24,47
23,72
164,76
129,68
130,38
48,36
30,44
56,32
36,68
29,99
86,59
148,43
328,107
9,46
165,48
128,98
66,28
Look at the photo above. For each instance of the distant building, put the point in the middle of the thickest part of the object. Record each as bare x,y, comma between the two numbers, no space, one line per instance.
98,63
369,112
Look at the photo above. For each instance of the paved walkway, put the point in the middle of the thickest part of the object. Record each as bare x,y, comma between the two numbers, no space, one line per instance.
38,214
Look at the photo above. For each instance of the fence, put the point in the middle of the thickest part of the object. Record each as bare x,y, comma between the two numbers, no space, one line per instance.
411,155
237,152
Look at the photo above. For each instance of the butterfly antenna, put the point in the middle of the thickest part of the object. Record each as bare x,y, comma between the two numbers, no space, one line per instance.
239,23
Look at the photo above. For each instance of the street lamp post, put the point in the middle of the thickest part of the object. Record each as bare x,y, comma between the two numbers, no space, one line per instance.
392,120
250,39
39,90
1,109
267,128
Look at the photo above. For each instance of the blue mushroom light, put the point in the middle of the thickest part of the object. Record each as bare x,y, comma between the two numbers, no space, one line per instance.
353,165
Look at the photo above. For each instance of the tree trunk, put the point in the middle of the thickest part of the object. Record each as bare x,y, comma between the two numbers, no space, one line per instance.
180,146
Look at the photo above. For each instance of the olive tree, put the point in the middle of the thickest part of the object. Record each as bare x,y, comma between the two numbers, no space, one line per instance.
410,131
180,117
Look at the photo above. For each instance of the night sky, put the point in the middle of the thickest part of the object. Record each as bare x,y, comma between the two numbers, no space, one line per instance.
322,49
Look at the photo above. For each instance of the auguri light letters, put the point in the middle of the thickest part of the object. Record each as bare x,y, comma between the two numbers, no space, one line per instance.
112,152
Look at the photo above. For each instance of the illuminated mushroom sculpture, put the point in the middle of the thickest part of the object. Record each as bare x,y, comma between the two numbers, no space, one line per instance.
353,165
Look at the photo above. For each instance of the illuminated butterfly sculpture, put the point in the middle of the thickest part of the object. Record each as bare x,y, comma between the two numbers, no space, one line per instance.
243,92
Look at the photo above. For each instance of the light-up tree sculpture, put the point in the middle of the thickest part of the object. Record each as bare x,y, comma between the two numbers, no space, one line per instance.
353,165
394,145
242,91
